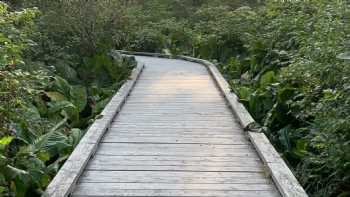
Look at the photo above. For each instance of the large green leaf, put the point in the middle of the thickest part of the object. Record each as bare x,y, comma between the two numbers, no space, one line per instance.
4,141
66,72
3,162
74,137
56,96
245,93
285,94
22,180
284,139
78,95
100,105
32,113
2,190
53,142
300,149
267,78
40,105
62,85
56,109
26,134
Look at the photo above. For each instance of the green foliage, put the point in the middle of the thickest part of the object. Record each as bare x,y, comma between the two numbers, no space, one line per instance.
14,27
47,100
287,61
296,85
147,40
84,27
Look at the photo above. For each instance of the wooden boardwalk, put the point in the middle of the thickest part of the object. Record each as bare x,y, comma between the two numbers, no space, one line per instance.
174,129
175,136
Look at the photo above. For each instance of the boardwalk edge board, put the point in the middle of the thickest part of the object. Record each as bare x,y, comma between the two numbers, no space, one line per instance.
65,180
282,176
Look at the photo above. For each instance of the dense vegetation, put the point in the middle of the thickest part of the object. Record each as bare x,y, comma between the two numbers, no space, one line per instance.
54,79
287,60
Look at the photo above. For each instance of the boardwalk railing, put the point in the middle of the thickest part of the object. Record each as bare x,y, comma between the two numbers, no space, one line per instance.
64,182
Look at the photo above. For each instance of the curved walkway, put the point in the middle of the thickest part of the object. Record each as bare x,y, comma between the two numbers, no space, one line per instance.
175,136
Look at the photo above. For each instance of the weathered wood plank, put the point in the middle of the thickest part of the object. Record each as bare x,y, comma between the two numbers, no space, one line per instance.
174,79
174,114
176,124
216,159
175,98
174,102
189,146
177,128
165,119
180,108
175,94
175,86
170,114
242,155
173,177
199,169
180,131
176,161
176,110
131,120
179,105
181,177
102,162
195,106
177,134
110,187
82,191
178,91
166,149
161,133
231,141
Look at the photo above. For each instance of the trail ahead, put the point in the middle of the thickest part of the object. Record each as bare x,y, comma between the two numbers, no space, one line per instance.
175,136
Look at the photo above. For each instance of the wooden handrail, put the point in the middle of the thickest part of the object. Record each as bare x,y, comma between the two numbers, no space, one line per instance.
65,180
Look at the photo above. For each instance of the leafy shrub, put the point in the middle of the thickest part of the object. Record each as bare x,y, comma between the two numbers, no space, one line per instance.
13,40
293,84
44,115
149,40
